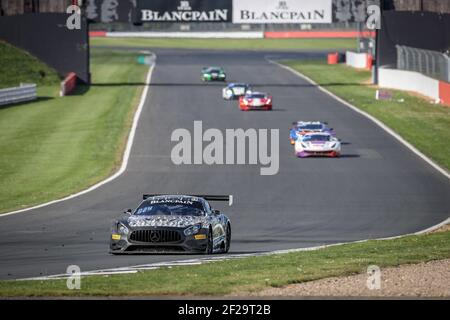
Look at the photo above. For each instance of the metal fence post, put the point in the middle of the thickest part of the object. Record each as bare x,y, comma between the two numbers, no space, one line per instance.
431,63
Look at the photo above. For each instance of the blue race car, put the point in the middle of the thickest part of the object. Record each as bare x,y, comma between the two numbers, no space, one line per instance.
301,128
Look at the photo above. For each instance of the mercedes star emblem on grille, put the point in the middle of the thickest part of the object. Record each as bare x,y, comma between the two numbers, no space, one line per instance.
154,236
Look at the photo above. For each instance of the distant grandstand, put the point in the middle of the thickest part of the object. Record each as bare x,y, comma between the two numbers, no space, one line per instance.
14,7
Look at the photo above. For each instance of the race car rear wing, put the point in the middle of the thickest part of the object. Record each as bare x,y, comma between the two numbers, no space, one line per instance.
207,197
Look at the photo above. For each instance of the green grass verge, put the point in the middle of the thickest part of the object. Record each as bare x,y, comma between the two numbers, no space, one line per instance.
420,122
56,146
17,66
230,44
248,274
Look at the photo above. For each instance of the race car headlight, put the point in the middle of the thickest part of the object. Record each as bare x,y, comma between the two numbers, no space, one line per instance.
245,102
122,229
304,145
333,145
192,229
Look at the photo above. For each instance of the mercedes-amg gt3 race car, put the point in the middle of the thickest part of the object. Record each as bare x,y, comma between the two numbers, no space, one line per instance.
301,128
213,74
172,223
235,90
317,144
255,101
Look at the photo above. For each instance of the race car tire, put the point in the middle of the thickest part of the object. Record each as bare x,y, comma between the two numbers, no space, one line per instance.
228,239
210,243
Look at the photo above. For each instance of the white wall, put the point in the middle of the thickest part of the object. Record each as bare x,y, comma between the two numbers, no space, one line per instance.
222,35
408,81
356,60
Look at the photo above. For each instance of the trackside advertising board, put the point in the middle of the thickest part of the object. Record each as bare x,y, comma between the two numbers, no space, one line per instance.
285,11
183,11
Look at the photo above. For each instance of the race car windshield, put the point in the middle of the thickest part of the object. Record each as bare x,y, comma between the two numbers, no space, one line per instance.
317,138
310,127
215,71
170,208
256,96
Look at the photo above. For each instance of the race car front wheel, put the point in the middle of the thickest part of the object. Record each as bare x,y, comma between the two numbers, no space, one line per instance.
209,245
228,239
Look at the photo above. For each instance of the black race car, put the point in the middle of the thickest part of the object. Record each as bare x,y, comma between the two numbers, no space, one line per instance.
168,223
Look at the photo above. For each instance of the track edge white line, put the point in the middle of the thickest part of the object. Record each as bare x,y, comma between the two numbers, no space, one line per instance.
370,117
197,261
125,157
157,265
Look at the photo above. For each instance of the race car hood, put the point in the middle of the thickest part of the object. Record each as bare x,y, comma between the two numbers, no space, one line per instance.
320,144
164,221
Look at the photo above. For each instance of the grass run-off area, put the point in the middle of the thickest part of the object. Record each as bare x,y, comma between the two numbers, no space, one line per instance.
419,121
243,275
17,66
56,146
230,44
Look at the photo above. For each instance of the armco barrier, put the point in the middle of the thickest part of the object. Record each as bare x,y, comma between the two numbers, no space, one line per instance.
409,81
317,34
25,92
356,60
199,35
235,34
68,85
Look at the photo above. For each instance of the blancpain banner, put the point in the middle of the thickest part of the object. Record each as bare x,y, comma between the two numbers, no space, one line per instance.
184,11
285,11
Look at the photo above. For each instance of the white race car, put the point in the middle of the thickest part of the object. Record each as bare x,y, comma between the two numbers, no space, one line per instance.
321,144
235,90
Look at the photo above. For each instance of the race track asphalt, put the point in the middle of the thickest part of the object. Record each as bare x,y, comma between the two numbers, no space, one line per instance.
378,188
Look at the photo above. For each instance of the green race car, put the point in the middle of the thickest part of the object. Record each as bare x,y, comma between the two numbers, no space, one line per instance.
213,74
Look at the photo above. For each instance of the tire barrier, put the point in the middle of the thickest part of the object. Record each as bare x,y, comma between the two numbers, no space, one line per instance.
68,85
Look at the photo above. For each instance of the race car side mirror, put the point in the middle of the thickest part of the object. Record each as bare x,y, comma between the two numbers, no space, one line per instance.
216,212
128,211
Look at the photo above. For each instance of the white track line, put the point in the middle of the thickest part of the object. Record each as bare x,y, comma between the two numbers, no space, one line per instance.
157,265
125,157
199,261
